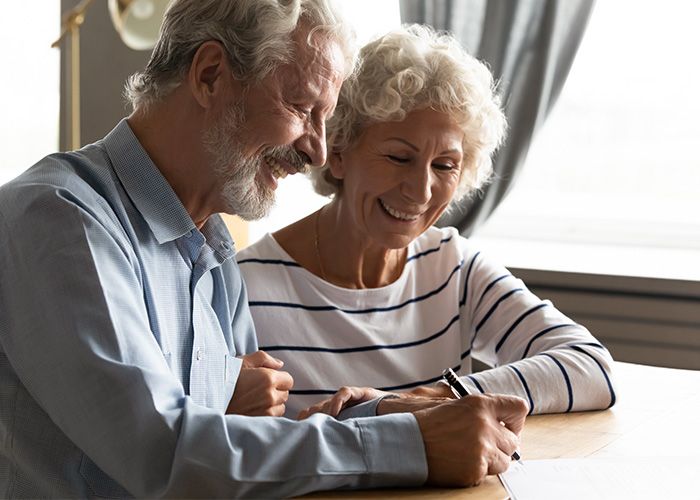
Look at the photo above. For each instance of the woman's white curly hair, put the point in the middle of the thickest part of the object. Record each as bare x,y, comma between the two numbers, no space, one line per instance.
412,68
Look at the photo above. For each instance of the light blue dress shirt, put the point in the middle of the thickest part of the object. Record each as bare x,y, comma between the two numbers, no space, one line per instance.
120,323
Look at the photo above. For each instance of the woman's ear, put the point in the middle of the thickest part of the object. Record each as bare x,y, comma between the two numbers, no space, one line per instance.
210,77
335,164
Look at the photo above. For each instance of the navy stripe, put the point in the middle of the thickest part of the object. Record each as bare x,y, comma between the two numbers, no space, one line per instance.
590,344
358,311
527,389
295,264
613,398
426,252
476,383
566,379
466,280
493,308
269,261
416,384
362,348
517,322
490,285
387,388
543,332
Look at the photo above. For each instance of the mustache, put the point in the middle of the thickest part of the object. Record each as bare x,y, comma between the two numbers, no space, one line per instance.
300,161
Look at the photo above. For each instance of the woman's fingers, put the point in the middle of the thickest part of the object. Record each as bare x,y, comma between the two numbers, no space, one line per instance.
344,398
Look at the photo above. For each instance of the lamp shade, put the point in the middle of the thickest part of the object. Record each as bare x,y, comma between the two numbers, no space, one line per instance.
138,21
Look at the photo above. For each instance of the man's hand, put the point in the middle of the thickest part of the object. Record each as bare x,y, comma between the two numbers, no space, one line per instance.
468,438
344,398
261,389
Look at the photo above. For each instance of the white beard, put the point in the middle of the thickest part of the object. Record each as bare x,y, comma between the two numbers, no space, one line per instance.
243,194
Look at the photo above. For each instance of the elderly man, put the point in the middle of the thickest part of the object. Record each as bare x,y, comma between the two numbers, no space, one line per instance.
128,361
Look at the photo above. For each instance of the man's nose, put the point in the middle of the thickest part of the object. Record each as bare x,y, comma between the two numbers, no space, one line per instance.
313,144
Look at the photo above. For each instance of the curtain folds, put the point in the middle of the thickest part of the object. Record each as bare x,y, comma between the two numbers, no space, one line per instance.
529,46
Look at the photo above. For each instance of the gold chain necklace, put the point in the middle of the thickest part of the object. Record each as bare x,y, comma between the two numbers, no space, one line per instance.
318,249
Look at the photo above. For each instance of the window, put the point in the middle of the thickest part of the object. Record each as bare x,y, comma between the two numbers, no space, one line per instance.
30,84
612,181
295,196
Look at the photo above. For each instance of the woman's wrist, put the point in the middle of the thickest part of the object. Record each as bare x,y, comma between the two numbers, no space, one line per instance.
439,390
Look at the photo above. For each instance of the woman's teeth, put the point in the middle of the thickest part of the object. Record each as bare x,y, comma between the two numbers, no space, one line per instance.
397,213
276,168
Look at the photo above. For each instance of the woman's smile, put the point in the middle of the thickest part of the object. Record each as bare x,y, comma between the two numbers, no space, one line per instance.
398,214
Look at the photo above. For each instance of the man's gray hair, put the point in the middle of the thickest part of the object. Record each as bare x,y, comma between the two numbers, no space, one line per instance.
257,35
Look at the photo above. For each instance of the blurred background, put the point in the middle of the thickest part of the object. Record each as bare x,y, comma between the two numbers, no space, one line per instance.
600,212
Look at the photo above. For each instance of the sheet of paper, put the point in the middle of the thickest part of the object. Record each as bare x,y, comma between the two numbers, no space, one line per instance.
603,479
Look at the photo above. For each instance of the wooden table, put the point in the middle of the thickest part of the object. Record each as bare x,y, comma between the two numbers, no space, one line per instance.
656,415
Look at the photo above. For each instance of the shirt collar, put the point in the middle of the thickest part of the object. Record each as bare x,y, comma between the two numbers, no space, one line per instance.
218,237
145,185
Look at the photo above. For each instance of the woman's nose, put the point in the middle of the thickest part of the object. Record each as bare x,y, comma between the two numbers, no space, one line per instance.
417,184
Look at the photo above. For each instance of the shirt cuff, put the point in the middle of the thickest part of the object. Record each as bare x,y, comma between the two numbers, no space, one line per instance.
233,370
394,450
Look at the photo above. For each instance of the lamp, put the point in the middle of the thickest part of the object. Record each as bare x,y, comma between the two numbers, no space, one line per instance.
136,21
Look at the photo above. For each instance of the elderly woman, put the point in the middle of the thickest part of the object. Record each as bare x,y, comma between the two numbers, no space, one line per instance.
366,292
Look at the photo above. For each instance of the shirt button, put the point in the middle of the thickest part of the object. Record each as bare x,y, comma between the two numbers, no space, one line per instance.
199,355
224,245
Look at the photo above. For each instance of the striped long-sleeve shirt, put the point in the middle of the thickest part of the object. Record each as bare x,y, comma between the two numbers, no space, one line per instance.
451,303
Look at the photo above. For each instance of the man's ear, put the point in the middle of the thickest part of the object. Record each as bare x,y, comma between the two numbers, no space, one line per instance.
335,165
210,77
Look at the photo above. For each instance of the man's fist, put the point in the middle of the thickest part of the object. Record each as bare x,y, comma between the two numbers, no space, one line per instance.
261,389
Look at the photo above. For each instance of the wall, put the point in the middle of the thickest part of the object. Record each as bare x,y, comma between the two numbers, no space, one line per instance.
105,64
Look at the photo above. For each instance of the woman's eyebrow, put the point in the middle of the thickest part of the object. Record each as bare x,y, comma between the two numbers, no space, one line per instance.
415,148
450,151
404,141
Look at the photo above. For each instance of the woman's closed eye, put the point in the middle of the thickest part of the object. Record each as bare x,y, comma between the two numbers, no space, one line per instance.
398,159
444,166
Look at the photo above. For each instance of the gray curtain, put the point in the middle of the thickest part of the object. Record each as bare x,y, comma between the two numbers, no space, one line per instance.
529,46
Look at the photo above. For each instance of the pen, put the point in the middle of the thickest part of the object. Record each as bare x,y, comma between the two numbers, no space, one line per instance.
460,390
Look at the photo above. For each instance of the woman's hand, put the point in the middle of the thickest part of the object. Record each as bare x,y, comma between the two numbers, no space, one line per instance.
435,391
344,398
350,396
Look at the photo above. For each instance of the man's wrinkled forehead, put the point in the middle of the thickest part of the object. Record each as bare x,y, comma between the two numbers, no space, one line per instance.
320,50
316,72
